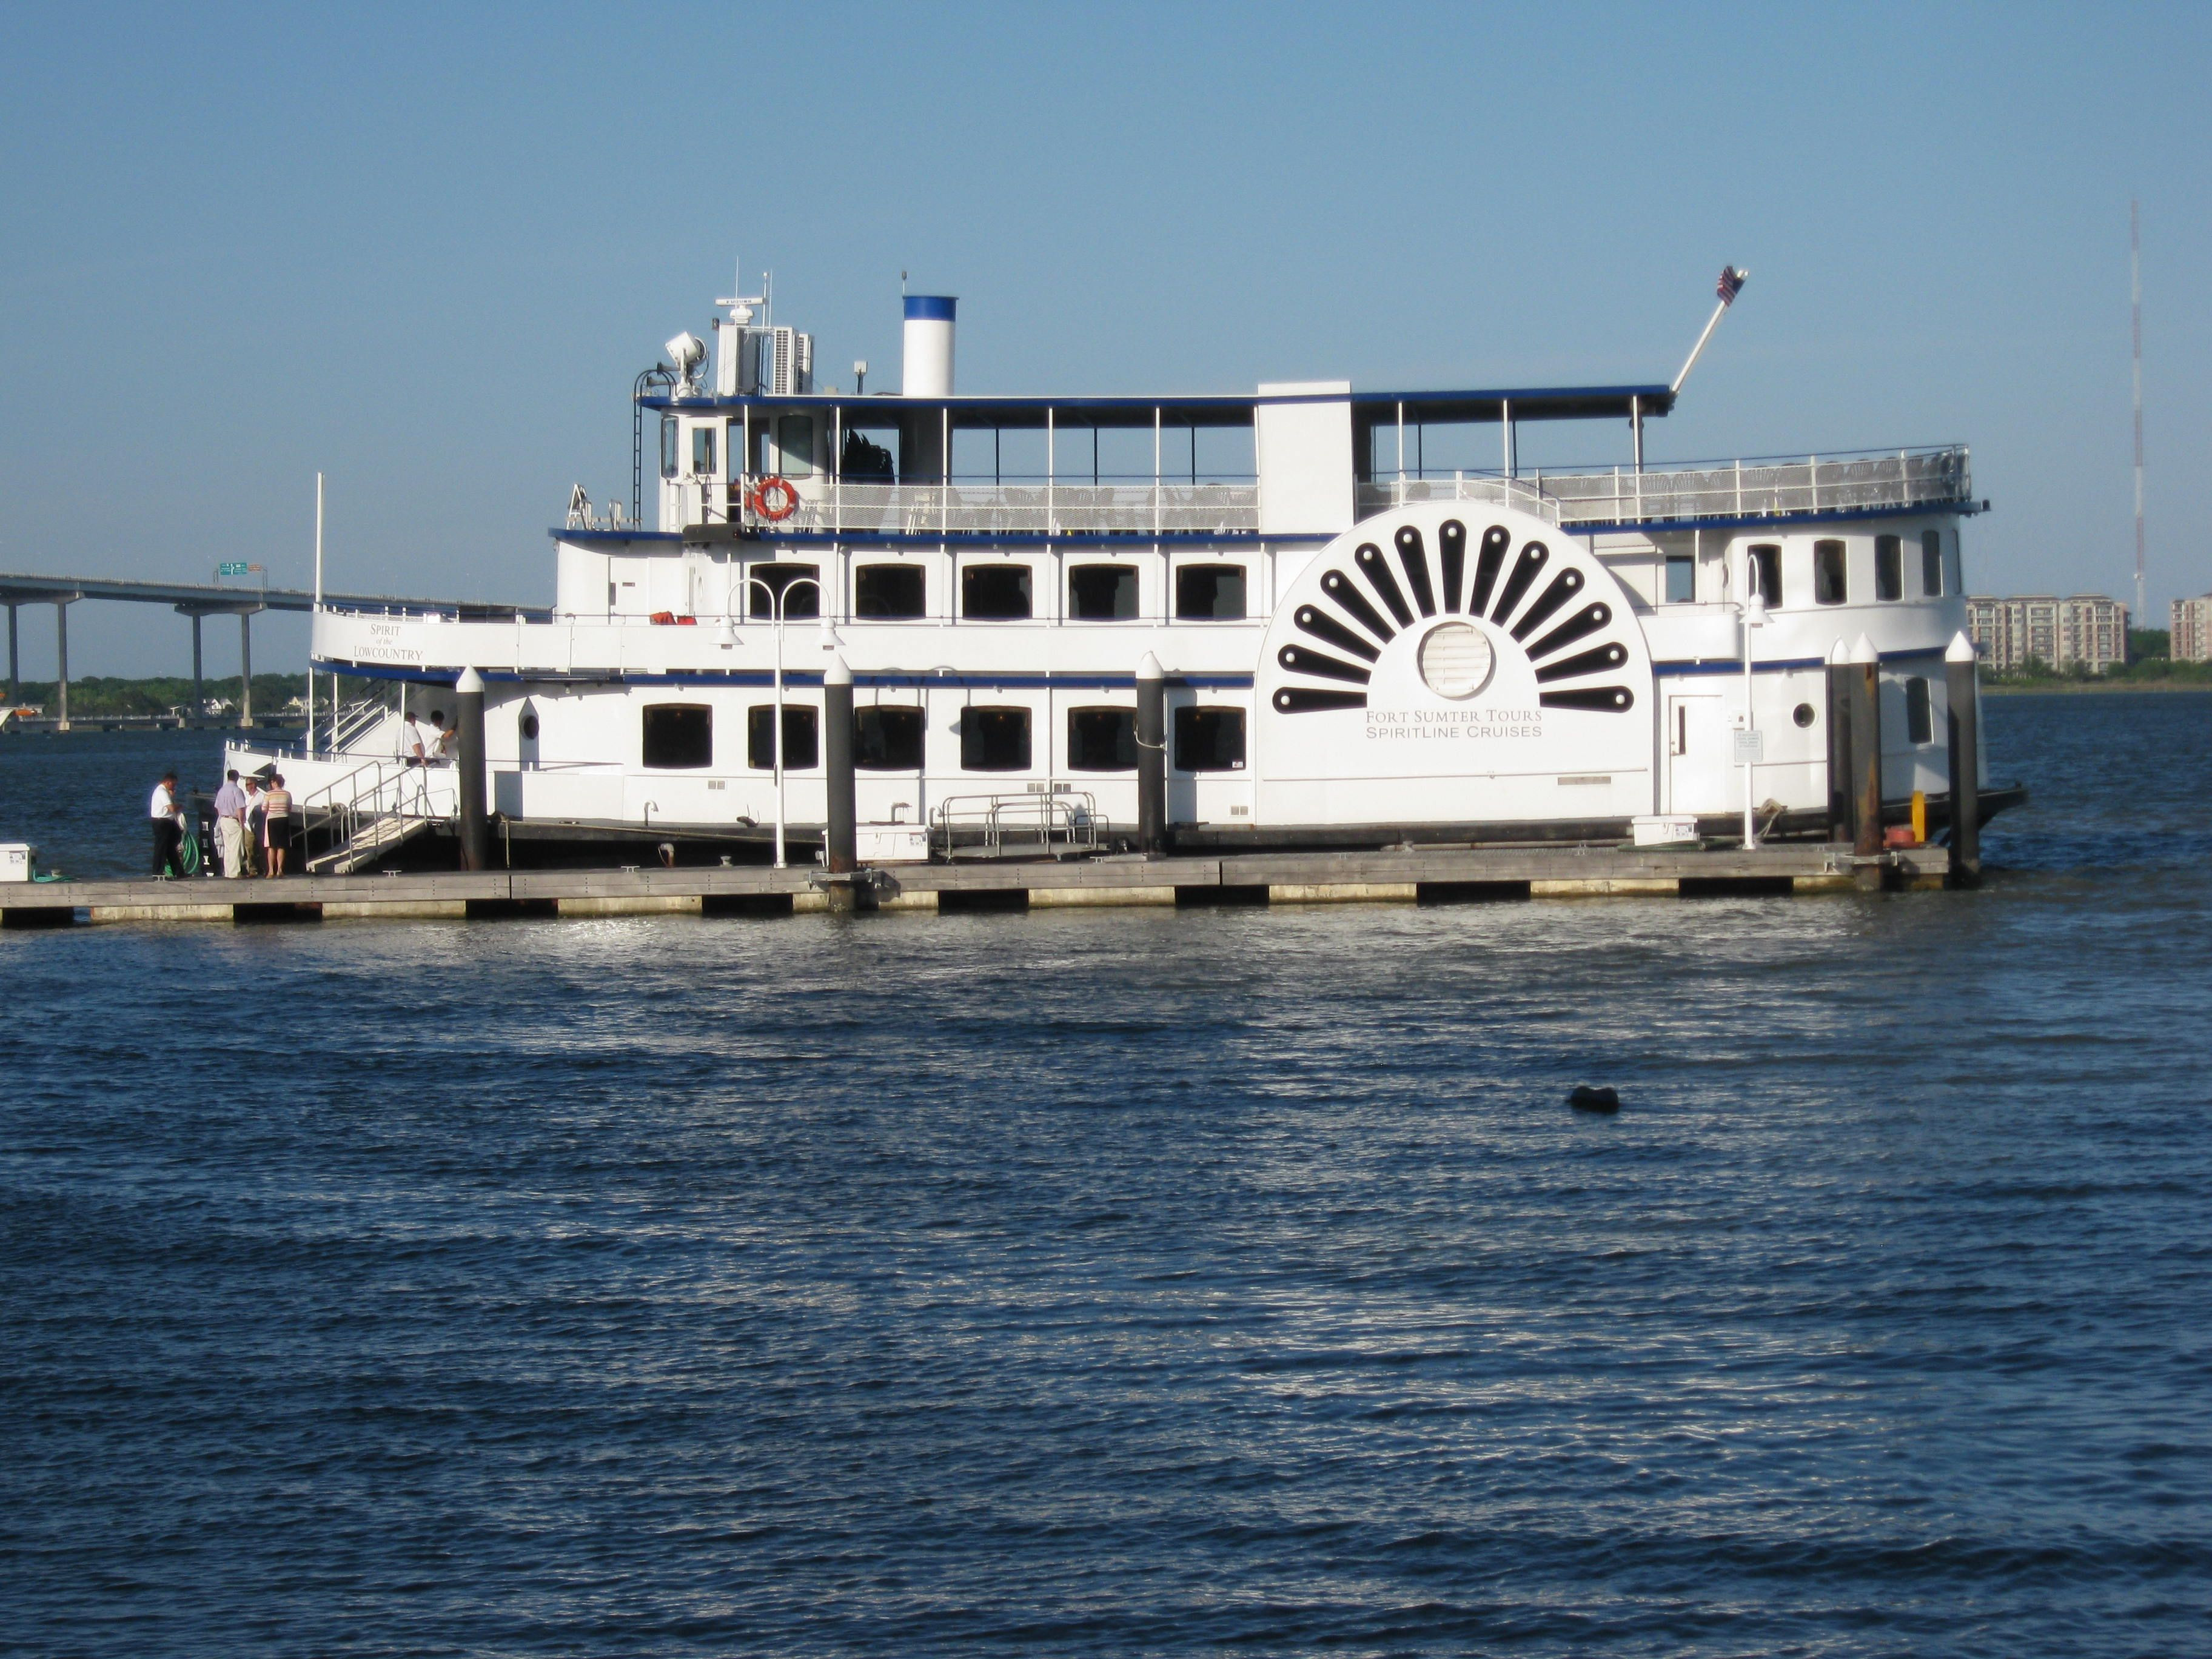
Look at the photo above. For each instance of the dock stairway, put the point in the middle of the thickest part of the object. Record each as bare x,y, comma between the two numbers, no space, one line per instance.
372,811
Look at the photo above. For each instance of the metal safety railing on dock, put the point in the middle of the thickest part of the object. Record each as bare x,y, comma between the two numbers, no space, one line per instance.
1047,822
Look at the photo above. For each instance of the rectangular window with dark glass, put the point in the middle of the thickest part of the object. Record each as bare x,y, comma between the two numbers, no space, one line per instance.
1931,563
1681,579
1889,567
1101,592
678,735
888,591
702,450
1209,739
1763,563
1829,586
801,739
994,739
887,738
1102,739
1210,592
1919,719
794,443
995,593
765,584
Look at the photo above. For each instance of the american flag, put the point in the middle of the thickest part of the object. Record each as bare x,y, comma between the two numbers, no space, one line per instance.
1730,285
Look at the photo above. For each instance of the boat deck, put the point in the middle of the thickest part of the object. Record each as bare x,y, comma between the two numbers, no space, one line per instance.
1424,877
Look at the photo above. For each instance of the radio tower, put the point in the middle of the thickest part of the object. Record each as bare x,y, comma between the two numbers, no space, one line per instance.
2135,307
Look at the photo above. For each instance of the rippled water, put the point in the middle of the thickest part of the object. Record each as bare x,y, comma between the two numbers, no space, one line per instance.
1135,1282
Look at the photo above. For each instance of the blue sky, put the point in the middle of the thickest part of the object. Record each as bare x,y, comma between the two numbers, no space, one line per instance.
426,249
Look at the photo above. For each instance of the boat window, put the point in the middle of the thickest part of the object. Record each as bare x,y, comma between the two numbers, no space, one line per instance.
1931,563
1763,563
890,590
1101,592
1829,585
1102,739
887,738
994,739
668,446
702,450
1889,567
761,601
995,593
679,736
867,462
801,747
1919,721
795,444
528,726
1209,739
1681,579
1802,713
1210,592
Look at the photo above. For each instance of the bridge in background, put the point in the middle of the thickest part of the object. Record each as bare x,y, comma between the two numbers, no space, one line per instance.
199,601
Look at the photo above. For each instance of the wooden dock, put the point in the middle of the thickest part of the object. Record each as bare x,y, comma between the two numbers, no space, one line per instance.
1427,876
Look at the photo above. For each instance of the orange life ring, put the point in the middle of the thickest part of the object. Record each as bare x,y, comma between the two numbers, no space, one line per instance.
785,496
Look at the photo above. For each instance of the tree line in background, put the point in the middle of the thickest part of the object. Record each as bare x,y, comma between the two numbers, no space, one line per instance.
2150,662
97,695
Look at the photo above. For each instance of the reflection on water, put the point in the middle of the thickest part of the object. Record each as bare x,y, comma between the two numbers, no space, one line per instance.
1138,1281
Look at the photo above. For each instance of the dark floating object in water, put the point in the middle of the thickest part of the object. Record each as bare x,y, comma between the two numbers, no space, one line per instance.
1587,1099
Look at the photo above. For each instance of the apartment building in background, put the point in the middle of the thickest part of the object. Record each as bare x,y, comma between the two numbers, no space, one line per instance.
2191,627
2088,629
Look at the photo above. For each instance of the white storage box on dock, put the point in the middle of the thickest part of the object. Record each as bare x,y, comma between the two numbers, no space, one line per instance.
1659,829
16,858
891,843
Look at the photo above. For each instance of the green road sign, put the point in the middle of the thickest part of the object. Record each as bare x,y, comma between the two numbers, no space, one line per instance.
228,568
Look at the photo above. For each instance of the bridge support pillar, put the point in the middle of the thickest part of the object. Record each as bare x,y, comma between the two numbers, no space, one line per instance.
61,664
14,677
246,668
199,689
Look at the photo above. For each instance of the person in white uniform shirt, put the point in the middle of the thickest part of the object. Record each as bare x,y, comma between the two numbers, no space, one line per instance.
416,746
230,825
169,826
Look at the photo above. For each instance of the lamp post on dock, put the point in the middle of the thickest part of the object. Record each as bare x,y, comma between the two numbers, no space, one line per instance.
778,599
1753,611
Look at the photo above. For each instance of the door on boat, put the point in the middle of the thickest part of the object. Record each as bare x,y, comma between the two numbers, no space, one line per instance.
1696,753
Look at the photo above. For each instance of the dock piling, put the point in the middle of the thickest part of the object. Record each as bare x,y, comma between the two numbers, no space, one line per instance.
1866,747
1842,797
1961,694
1151,757
840,835
469,724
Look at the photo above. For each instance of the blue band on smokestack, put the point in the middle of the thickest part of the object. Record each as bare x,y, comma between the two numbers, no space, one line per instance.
936,306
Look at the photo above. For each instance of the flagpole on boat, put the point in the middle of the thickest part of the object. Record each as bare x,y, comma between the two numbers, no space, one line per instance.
1730,285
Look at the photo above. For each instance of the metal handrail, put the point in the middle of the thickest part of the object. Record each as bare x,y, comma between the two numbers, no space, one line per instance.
1042,816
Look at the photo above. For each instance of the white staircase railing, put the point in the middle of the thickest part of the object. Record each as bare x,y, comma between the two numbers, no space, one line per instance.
372,808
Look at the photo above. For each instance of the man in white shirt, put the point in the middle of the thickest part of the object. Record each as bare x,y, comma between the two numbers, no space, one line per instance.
415,745
230,825
169,826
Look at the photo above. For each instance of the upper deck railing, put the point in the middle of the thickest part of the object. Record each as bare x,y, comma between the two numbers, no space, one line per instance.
1768,487
1771,487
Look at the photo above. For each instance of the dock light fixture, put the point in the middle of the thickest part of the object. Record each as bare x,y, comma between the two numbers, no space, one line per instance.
1748,742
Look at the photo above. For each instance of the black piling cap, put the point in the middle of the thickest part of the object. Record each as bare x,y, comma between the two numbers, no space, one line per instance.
1587,1099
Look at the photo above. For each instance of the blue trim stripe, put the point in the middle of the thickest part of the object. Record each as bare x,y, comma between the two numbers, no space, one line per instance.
934,307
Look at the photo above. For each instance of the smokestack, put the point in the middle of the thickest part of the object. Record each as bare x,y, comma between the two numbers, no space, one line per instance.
928,365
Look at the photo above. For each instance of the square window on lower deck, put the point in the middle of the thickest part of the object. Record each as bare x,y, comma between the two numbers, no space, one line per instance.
887,738
1101,592
1681,579
994,739
678,737
1209,739
802,747
995,593
768,585
1210,592
889,592
1102,739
